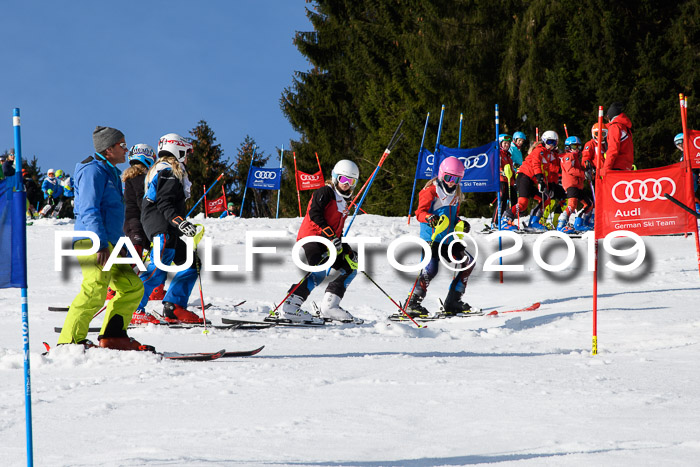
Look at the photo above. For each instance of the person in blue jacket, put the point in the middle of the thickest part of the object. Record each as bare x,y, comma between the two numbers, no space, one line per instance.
515,149
52,192
99,208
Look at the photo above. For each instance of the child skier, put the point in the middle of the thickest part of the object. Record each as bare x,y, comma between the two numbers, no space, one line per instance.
163,216
572,178
442,196
507,184
325,217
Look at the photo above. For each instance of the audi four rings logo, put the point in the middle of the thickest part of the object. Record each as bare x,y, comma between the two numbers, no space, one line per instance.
265,175
638,190
475,162
307,177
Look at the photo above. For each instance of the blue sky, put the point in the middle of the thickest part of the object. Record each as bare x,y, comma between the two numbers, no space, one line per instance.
147,68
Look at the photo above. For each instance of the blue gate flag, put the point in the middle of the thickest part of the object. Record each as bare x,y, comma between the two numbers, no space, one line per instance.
425,165
13,269
481,166
264,179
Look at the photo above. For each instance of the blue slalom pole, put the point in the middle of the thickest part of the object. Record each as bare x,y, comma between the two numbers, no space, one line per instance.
240,214
205,194
437,140
20,206
415,177
459,141
279,192
498,195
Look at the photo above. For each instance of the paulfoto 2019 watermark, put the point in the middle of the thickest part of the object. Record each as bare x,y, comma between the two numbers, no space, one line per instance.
493,262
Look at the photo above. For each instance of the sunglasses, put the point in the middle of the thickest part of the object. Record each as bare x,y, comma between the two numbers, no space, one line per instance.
342,179
449,178
574,147
124,146
551,142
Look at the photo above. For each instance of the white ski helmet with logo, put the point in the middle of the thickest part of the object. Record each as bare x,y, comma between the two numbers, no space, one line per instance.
142,153
174,145
348,169
550,136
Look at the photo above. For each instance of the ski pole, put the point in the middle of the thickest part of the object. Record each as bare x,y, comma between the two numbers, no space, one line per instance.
439,228
392,300
197,239
205,194
681,205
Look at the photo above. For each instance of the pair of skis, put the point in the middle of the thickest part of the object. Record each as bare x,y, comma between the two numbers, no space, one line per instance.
197,356
472,312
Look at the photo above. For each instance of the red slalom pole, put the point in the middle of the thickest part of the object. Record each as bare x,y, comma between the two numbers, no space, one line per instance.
598,161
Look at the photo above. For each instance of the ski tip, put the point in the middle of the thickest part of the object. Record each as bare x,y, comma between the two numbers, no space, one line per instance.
493,313
48,347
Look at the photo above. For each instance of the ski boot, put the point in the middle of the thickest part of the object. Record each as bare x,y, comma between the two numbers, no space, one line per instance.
291,310
330,309
140,318
124,343
415,309
534,224
563,225
453,304
174,314
507,223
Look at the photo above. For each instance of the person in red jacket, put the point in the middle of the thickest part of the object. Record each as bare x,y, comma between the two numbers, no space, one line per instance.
325,217
620,153
532,183
590,149
507,183
572,177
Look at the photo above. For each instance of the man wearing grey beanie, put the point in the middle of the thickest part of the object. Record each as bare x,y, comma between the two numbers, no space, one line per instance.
99,208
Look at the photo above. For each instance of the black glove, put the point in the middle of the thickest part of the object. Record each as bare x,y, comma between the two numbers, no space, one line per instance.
541,185
590,174
338,244
467,227
432,220
588,165
187,228
351,258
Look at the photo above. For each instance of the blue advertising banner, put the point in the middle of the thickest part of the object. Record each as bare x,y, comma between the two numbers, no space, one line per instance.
481,166
264,179
425,165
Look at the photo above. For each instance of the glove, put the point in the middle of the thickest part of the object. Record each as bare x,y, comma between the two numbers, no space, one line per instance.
465,224
541,185
351,258
49,192
590,174
432,220
588,165
187,228
338,244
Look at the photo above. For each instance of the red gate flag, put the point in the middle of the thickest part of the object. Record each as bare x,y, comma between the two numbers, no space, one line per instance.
635,201
694,145
216,205
309,181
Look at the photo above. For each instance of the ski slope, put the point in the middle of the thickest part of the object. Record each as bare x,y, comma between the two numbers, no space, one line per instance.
520,389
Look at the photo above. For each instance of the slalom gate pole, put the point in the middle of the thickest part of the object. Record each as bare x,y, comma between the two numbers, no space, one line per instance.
598,160
459,139
437,140
442,224
296,182
203,196
498,194
250,167
392,300
20,244
415,177
689,172
394,139
566,132
279,192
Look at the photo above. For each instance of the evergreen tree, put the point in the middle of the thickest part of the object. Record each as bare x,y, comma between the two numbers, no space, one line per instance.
205,164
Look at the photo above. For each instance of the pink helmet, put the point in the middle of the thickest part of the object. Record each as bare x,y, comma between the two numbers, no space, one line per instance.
451,166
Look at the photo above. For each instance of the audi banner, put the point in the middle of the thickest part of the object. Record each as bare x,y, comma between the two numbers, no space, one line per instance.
216,205
309,181
264,179
694,144
425,165
480,166
635,201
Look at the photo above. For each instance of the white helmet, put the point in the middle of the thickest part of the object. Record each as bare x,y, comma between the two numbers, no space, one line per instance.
174,145
347,169
549,136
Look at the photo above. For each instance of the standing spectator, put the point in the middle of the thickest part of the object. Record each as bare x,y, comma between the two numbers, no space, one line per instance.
99,208
620,154
516,148
33,193
8,165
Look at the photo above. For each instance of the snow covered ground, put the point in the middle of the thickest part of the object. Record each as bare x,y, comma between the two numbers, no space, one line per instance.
517,389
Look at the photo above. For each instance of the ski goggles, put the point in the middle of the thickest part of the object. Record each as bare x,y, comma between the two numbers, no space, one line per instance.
574,147
449,178
342,179
507,138
550,142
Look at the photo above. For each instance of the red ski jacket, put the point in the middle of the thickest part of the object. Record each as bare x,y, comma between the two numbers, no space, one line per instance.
572,173
620,154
